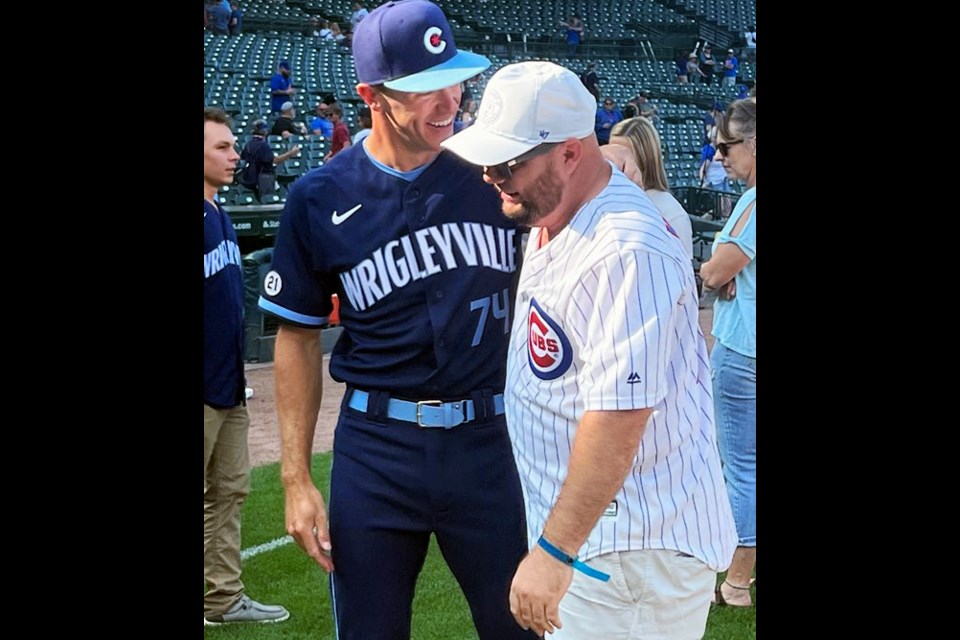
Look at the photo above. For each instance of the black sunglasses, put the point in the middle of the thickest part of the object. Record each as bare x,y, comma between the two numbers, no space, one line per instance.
503,170
723,147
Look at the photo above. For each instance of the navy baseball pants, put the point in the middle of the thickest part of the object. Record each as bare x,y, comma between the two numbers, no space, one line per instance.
392,484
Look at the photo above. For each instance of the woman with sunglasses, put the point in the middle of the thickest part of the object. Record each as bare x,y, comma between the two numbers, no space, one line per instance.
732,270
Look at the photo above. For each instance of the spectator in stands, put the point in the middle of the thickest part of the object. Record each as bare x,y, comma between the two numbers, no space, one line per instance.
751,38
281,86
226,459
648,110
731,67
321,125
219,22
607,116
323,29
707,64
359,13
732,271
574,34
641,137
467,103
258,172
286,125
236,19
341,134
710,121
694,74
681,64
591,81
366,123
712,174
337,35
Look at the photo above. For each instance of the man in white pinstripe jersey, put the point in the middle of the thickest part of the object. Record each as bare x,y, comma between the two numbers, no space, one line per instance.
608,393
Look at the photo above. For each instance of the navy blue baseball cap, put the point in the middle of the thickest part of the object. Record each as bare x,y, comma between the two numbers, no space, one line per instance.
408,45
284,64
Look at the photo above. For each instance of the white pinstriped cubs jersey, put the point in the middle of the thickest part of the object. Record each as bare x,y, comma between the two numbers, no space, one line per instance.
607,319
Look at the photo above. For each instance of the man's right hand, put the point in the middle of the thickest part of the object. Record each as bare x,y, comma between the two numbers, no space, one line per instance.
306,516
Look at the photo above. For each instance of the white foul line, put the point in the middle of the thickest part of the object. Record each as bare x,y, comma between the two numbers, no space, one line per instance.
266,546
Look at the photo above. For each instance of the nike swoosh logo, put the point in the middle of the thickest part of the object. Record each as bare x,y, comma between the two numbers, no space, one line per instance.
338,219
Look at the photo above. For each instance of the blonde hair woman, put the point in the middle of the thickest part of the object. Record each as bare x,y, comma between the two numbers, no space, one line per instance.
641,137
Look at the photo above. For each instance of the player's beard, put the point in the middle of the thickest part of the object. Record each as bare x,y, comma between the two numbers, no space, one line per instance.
545,195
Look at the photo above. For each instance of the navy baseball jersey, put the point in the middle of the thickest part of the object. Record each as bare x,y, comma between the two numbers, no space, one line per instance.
411,257
223,294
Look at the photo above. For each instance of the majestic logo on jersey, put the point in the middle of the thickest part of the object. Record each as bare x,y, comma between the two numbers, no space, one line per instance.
634,378
432,40
548,349
427,252
338,219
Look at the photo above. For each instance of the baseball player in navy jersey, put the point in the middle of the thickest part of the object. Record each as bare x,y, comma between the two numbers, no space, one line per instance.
608,389
226,460
424,263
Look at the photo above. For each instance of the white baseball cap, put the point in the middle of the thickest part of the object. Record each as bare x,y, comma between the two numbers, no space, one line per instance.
524,105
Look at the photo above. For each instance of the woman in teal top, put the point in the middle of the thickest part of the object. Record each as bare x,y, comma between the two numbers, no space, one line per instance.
732,271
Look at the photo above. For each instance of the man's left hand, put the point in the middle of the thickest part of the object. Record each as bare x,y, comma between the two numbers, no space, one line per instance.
538,586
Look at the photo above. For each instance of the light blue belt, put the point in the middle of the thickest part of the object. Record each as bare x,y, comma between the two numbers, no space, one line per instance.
427,413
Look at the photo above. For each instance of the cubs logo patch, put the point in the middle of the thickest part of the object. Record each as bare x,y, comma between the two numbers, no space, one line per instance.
432,40
548,349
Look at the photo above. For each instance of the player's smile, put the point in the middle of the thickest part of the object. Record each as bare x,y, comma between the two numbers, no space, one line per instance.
440,124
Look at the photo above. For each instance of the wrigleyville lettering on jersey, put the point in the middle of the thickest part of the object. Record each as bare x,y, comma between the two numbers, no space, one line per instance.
437,248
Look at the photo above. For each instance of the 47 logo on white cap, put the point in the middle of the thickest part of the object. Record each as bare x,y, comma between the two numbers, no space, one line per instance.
548,349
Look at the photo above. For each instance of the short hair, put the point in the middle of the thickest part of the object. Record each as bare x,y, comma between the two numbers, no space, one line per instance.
335,108
647,152
740,120
215,114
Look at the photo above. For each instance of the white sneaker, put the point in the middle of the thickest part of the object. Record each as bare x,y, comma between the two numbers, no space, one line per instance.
247,610
249,392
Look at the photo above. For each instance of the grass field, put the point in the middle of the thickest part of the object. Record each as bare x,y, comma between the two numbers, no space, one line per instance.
285,575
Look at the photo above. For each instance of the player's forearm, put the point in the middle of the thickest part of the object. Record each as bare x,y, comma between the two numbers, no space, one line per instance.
603,452
298,375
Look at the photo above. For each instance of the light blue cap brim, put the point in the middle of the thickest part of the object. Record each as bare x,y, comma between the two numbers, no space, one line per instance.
457,69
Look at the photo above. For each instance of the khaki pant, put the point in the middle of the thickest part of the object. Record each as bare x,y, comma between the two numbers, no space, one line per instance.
226,483
651,595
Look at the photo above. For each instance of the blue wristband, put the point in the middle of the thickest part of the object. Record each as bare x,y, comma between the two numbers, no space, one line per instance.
572,562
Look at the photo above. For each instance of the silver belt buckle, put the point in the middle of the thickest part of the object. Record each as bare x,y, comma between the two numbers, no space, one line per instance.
421,404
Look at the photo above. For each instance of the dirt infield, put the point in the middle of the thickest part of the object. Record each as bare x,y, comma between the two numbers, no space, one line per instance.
264,429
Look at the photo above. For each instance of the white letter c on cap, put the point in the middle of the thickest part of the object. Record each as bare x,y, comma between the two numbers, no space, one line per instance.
431,36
